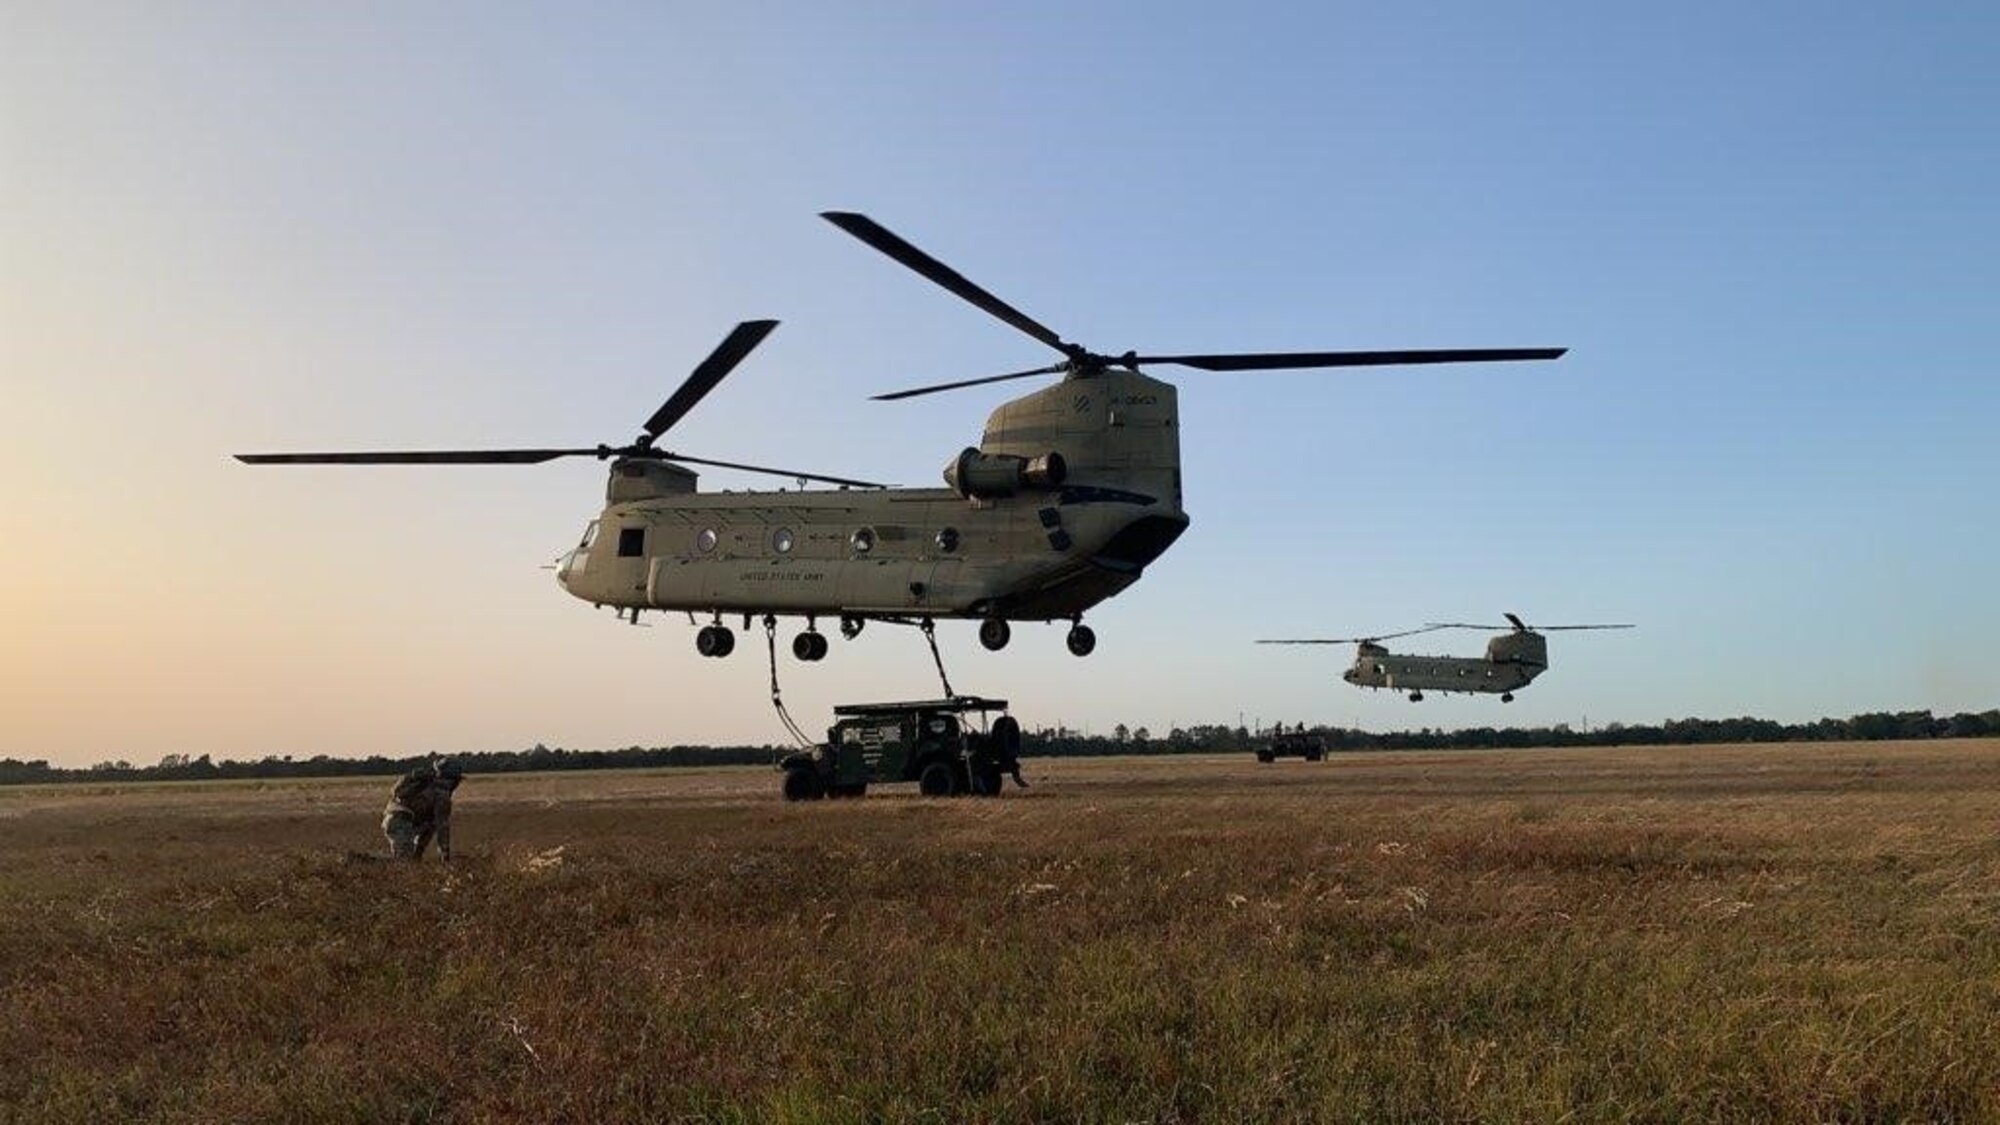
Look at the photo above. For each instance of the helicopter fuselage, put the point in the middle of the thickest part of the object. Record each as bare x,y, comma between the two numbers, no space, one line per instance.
1511,662
1018,535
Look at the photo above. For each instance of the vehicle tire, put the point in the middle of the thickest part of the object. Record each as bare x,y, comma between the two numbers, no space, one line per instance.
994,633
938,779
802,783
725,641
1082,640
1266,757
704,641
803,647
820,647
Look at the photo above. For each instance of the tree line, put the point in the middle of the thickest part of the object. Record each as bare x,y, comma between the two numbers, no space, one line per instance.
1054,742
1872,727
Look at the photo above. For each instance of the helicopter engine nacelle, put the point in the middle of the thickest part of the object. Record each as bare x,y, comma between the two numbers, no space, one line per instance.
988,476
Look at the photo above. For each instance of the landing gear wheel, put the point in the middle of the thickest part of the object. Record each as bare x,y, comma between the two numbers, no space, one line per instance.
715,640
803,784
1082,640
850,627
1266,757
809,647
994,633
938,780
1506,697
1416,697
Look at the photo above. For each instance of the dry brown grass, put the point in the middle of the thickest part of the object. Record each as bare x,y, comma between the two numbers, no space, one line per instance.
1718,933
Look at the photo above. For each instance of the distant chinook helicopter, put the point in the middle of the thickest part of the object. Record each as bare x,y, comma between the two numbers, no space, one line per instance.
1511,662
1072,491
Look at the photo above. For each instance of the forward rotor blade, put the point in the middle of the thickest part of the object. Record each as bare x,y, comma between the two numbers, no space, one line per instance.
1354,640
708,373
883,239
1276,361
420,457
765,469
1546,628
893,395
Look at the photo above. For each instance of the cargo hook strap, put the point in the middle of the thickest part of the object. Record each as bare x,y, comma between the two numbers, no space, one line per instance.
929,628
777,697
930,634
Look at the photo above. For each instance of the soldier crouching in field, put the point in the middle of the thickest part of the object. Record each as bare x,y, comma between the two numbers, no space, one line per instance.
420,808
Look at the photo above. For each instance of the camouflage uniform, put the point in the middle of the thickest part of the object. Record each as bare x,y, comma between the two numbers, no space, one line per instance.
420,809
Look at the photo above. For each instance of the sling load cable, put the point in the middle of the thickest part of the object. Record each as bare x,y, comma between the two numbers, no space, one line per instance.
777,696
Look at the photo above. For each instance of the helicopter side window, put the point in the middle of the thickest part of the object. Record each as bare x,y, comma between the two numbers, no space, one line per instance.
589,536
631,542
863,541
1381,671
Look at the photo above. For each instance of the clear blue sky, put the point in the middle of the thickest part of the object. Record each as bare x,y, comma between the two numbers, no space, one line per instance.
1767,232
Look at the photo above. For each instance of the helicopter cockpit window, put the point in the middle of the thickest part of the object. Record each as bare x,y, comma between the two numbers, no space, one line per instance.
947,540
704,540
782,540
589,536
863,540
631,542
1379,670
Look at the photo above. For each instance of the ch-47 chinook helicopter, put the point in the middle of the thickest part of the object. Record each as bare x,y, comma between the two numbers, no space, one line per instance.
1512,660
1070,493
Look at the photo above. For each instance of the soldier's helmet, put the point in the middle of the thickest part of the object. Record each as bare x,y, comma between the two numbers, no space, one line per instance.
449,771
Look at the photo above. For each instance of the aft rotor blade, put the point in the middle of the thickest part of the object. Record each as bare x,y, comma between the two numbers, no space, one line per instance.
421,457
765,469
1523,628
933,389
888,242
1276,361
739,343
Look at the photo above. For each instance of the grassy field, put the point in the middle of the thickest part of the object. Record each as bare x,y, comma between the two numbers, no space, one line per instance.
1784,933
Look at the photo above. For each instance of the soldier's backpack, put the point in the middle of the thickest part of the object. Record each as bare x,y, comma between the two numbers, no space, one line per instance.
410,788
